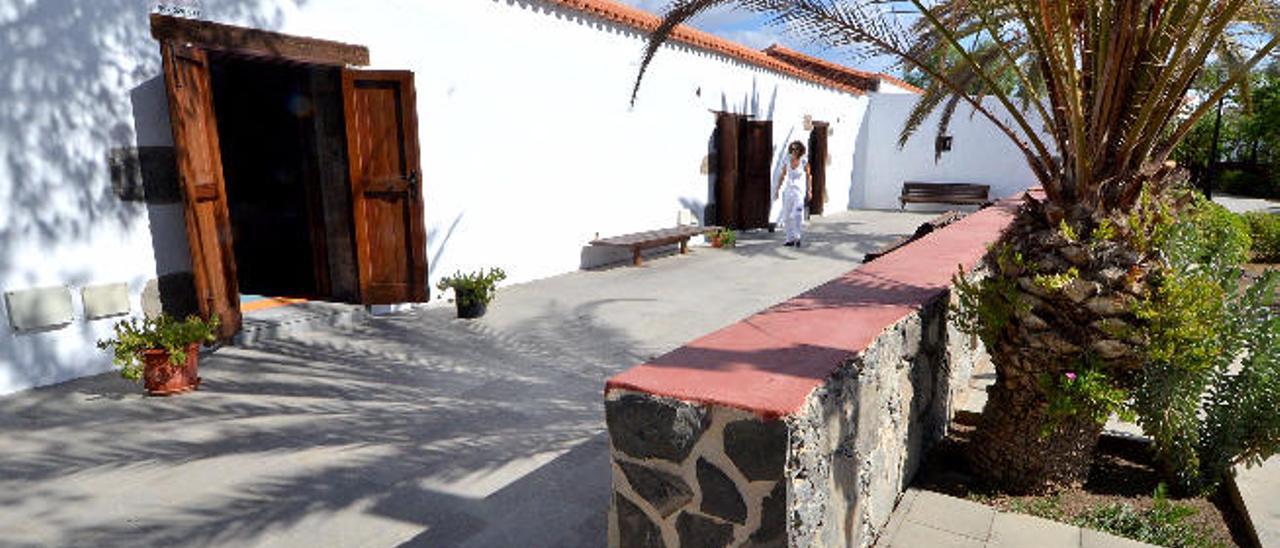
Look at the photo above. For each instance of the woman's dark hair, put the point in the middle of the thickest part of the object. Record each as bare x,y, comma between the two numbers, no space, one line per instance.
796,146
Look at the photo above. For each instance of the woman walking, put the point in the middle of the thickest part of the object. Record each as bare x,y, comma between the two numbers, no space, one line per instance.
795,185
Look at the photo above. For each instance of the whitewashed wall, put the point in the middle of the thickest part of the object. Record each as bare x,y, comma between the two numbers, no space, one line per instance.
529,146
980,153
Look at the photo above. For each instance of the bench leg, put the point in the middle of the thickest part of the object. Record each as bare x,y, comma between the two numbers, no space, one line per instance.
636,259
684,246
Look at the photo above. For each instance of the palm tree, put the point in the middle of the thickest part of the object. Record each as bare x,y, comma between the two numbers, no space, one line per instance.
1094,95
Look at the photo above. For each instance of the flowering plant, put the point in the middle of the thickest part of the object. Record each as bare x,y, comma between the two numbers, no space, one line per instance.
1083,390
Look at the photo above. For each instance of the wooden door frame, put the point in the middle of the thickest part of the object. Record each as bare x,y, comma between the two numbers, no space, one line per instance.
251,42
199,38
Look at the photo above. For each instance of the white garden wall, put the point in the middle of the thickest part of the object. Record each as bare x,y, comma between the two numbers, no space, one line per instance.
980,153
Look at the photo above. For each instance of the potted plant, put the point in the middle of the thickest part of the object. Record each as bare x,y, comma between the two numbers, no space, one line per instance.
472,292
162,352
724,238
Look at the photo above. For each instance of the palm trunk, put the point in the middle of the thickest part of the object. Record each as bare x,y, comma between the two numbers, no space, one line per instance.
1069,298
1017,448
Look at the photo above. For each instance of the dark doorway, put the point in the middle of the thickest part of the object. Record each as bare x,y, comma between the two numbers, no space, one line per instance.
279,126
744,148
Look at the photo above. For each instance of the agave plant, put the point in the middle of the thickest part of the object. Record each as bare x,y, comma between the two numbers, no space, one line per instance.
1094,93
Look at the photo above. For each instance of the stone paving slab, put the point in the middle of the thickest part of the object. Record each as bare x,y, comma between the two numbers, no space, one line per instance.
925,518
1259,489
413,429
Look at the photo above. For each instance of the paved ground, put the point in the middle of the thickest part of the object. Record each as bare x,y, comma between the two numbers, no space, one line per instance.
416,429
925,518
1241,204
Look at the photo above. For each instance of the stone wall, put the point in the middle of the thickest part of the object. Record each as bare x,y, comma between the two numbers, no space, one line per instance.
688,474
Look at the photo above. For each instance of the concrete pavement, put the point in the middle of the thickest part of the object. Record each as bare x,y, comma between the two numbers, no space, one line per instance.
925,518
414,429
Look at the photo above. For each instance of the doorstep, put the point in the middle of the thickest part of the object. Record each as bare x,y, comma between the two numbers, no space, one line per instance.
284,317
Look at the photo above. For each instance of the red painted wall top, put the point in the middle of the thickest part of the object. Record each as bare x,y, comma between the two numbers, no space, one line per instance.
769,363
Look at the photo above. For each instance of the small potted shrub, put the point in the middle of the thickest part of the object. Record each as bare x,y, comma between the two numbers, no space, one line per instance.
473,292
162,352
724,238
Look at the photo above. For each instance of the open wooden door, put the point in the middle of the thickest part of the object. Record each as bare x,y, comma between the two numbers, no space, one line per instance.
195,139
386,195
755,194
818,166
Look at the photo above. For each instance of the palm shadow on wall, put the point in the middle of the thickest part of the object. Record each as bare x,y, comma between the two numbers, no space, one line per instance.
78,73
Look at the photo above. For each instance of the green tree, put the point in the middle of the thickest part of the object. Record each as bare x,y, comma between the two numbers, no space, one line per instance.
1095,101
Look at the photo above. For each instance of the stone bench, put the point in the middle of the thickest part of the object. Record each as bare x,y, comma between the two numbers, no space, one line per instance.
800,425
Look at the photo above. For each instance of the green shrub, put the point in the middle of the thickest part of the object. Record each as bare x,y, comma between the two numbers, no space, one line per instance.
478,287
1164,524
1264,229
132,336
1203,414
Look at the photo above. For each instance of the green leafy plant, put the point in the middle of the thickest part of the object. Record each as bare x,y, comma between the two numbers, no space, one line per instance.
133,336
477,287
1264,229
1083,390
1165,523
1211,373
727,236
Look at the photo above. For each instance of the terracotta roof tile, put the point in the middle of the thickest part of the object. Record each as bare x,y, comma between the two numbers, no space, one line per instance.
848,75
642,20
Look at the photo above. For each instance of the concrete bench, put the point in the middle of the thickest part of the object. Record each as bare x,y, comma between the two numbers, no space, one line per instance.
640,241
800,425
944,193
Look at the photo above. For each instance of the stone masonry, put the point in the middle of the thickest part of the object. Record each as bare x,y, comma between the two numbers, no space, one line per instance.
687,474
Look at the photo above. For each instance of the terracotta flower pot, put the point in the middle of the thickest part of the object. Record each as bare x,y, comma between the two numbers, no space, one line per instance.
716,241
162,378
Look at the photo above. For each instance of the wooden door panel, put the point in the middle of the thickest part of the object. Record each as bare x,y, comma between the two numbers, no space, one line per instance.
755,194
727,173
382,150
818,166
195,139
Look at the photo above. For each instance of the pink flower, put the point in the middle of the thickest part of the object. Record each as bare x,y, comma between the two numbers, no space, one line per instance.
1071,375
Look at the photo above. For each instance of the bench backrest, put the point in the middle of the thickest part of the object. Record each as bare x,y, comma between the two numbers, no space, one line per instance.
949,190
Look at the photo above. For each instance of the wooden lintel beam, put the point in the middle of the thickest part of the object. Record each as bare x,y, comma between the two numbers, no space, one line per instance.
255,42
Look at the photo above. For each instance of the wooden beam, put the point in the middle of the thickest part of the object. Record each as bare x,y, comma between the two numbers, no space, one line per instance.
256,43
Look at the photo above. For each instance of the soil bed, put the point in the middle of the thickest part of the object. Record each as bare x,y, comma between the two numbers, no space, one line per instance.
1121,473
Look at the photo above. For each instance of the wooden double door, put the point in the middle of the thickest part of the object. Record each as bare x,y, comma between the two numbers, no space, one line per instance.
383,169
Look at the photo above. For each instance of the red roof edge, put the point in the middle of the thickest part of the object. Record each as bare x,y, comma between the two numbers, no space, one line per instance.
807,62
642,20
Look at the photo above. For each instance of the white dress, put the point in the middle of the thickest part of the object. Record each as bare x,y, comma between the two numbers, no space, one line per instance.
793,190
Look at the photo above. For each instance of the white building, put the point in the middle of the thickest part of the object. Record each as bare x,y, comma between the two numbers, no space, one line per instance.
509,122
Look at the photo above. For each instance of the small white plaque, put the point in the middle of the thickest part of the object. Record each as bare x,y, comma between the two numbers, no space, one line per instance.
38,308
105,301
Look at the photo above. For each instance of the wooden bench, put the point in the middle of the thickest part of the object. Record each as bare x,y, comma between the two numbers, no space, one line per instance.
944,193
640,241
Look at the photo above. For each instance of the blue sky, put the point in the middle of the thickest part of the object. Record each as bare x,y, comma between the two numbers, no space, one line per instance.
752,30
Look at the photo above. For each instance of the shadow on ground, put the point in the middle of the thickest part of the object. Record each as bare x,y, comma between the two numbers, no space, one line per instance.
385,433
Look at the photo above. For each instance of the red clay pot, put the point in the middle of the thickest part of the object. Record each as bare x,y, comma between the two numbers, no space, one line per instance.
164,379
716,241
